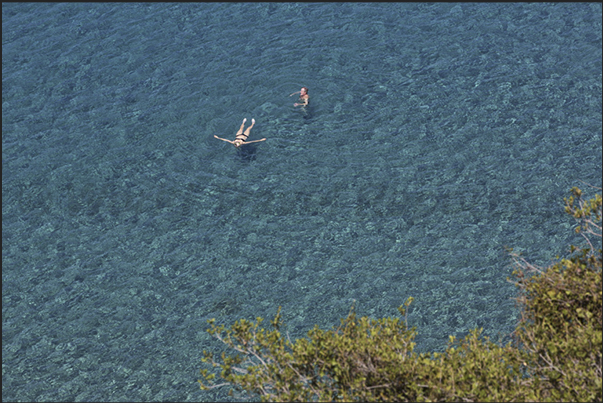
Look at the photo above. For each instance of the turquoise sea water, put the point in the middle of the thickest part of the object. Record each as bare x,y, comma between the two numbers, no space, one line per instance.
437,135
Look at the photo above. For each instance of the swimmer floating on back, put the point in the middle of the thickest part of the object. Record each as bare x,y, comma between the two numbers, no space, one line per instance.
241,137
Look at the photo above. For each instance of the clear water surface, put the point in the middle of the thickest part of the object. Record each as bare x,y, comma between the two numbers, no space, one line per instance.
437,135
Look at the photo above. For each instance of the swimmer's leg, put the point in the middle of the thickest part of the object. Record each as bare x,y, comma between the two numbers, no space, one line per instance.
241,128
249,128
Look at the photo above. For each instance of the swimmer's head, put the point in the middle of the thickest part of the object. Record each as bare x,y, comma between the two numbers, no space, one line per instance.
237,143
304,90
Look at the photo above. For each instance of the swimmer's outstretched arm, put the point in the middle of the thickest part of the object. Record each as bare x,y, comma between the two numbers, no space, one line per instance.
296,92
220,138
254,141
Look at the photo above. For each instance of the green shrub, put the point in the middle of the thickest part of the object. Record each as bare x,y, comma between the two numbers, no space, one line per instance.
555,355
559,335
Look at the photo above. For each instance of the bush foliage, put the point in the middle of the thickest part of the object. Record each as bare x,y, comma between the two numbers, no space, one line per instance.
555,354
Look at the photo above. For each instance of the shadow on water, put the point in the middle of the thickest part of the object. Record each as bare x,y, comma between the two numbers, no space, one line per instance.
247,152
307,114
